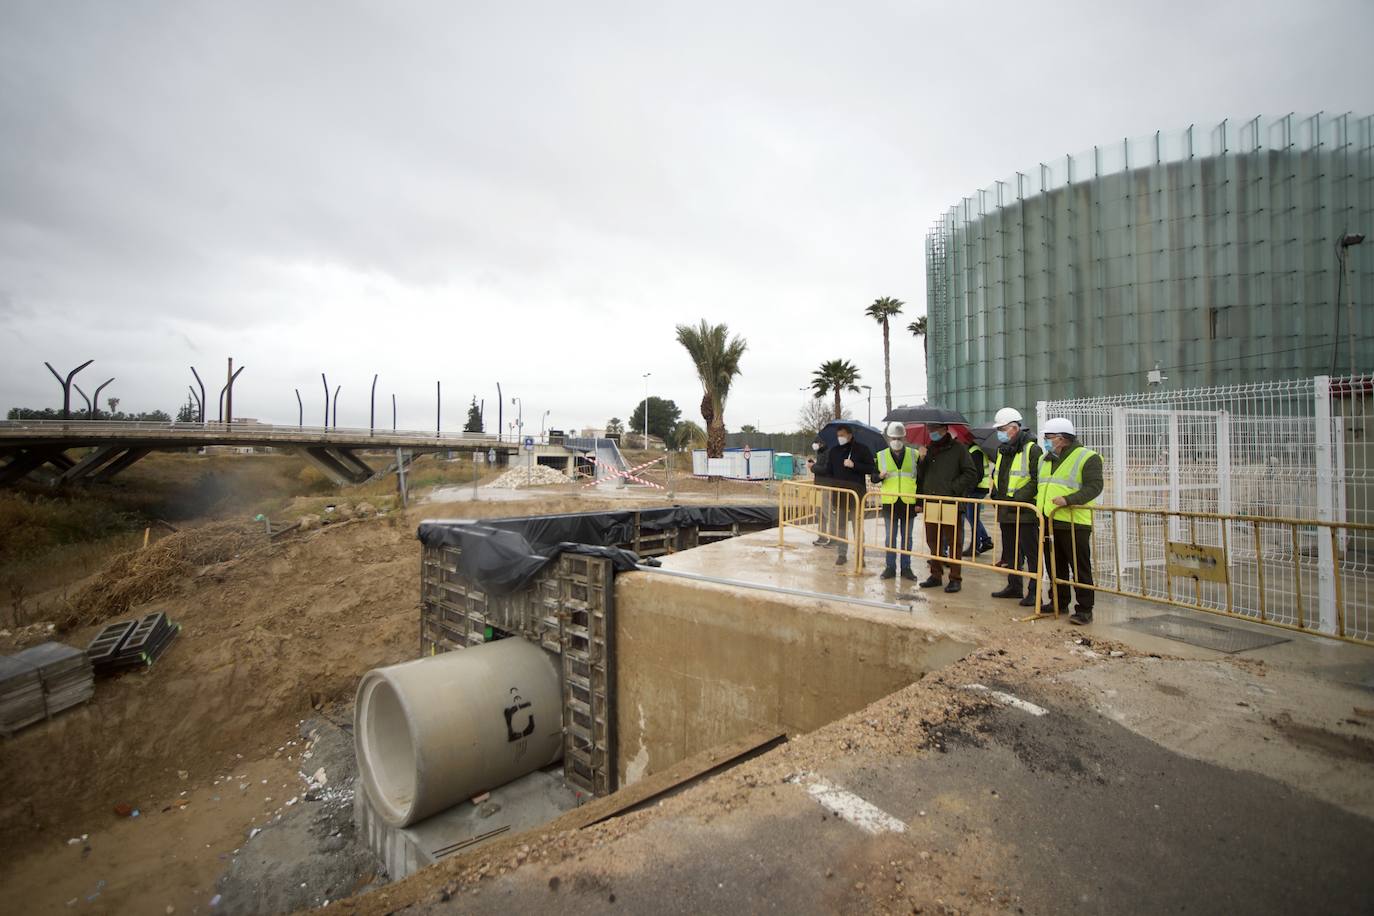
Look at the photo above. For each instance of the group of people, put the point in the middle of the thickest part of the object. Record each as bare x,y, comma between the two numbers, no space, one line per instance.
1057,477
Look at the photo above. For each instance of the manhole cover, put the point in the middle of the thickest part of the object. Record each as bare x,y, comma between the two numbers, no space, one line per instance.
1204,634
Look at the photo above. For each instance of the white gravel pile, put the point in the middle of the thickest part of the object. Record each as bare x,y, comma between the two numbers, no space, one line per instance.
538,475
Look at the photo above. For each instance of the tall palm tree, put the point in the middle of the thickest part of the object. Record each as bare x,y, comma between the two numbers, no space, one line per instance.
837,376
880,311
918,329
716,355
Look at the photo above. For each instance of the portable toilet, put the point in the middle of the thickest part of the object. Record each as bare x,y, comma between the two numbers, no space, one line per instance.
784,466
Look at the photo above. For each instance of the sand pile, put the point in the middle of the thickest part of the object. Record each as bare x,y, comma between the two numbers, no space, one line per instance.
144,575
532,476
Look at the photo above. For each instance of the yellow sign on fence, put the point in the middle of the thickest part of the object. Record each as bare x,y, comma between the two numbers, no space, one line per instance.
1195,561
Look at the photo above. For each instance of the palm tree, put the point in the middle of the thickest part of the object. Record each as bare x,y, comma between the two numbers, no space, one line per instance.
686,433
918,329
716,355
837,376
880,311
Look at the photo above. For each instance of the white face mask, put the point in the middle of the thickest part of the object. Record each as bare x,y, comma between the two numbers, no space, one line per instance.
896,444
815,446
843,440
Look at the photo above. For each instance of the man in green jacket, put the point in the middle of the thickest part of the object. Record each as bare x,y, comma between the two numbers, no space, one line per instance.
946,469
1070,484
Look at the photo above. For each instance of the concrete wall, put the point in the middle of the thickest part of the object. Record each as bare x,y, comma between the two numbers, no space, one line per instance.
698,664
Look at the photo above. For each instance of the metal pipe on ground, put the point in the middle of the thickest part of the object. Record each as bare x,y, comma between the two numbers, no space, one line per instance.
436,731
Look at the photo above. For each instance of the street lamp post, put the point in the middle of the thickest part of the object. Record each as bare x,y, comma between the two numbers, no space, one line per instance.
1348,242
541,424
869,389
646,410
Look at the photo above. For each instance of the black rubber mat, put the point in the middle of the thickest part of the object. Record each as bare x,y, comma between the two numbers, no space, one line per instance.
1204,633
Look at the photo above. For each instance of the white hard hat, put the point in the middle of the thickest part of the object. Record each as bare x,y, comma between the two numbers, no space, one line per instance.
1058,425
895,430
1007,415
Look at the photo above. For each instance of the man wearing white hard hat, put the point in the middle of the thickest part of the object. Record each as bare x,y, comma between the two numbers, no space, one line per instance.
1070,484
1015,478
897,475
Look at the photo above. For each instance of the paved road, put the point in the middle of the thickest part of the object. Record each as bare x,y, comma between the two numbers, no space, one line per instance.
1067,812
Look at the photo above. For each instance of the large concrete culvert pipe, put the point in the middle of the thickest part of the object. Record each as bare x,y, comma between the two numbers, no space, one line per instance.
433,732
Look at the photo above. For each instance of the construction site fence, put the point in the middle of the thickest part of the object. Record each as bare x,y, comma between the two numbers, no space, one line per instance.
821,510
1299,574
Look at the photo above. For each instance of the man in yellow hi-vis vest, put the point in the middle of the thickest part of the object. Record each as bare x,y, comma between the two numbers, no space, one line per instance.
1070,483
897,474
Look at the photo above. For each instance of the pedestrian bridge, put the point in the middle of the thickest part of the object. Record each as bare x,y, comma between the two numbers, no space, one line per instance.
40,448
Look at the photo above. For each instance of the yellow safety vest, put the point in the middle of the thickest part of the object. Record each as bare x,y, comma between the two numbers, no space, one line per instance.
1019,474
1062,480
901,484
987,481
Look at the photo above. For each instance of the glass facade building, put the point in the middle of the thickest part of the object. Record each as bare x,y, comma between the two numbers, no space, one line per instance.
1211,253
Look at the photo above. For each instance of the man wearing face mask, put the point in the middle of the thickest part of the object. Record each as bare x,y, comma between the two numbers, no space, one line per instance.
820,468
1070,484
897,475
1015,478
851,463
946,469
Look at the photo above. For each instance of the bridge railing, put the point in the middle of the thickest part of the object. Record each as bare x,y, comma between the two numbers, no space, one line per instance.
114,428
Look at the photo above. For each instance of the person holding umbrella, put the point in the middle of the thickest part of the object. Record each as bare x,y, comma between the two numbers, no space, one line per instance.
851,464
946,469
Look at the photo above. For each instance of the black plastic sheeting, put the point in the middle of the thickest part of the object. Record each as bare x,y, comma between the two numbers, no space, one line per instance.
503,555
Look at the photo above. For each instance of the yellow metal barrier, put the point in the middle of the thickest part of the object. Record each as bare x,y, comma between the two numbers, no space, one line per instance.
945,511
1298,574
830,512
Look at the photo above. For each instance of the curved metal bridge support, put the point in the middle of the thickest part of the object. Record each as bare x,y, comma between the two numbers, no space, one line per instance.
338,464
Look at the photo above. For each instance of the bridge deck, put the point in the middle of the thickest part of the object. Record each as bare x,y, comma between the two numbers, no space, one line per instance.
16,434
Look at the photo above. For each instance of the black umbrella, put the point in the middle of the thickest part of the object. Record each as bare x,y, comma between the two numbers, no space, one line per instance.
864,434
926,413
985,437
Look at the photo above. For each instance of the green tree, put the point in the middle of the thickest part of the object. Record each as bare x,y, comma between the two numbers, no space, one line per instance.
835,377
614,427
880,311
663,416
748,428
187,413
716,356
688,435
918,329
474,423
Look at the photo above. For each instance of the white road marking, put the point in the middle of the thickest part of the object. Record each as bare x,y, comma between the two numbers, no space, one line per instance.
1007,699
867,817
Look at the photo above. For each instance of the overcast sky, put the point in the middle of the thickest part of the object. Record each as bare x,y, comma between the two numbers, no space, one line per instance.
536,193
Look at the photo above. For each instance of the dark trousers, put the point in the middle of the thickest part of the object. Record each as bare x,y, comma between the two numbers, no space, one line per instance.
945,541
1020,551
1069,555
898,517
844,513
971,514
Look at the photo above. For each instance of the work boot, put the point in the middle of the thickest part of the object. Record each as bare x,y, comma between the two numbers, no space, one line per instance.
888,573
932,582
985,547
908,574
1028,601
821,542
954,585
1080,619
1011,591
841,560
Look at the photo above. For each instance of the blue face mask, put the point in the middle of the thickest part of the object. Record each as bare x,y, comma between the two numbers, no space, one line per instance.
1047,446
1003,437
936,437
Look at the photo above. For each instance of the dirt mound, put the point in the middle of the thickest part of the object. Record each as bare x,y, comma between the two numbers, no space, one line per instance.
156,571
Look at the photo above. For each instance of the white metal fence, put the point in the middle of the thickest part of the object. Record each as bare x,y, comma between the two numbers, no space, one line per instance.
1271,450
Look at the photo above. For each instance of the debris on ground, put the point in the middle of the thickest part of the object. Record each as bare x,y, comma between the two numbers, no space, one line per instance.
537,475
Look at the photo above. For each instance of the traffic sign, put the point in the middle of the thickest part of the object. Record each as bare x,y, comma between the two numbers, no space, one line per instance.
491,456
529,443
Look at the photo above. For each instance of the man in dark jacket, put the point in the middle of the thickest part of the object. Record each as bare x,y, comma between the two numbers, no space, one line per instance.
820,468
946,469
1015,478
851,463
1070,484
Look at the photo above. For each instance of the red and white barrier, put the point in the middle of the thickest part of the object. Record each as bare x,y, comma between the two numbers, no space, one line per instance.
626,474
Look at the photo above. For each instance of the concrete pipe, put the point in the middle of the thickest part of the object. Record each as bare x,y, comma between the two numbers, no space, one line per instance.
437,731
